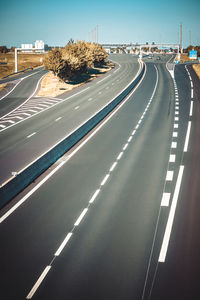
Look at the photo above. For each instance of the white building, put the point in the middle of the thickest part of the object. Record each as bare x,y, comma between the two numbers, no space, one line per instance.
39,45
27,47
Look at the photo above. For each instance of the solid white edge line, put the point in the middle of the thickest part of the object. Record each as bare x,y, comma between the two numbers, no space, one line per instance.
38,282
8,213
63,244
78,221
187,137
26,99
169,225
94,196
10,90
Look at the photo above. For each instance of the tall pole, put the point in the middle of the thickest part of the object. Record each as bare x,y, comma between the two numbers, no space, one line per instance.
181,50
16,68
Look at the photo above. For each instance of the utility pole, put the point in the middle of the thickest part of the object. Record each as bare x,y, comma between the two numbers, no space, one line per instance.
181,50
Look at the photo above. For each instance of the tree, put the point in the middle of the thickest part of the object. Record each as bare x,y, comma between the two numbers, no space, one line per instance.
53,61
3,49
74,59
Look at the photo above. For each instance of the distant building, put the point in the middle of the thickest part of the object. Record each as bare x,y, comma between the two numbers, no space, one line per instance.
27,47
39,45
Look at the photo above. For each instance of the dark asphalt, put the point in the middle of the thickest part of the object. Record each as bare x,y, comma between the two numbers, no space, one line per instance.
17,151
109,252
178,278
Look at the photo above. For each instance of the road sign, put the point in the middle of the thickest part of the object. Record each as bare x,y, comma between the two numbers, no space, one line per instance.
193,54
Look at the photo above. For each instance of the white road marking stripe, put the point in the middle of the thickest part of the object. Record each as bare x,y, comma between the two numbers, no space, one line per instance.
94,196
8,213
63,244
174,145
2,126
103,79
56,120
134,131
81,217
172,158
187,137
191,108
176,125
39,281
170,175
76,94
176,118
192,95
120,155
30,135
90,99
113,166
105,179
23,199
175,134
77,107
165,199
125,146
191,84
130,138
168,229
11,122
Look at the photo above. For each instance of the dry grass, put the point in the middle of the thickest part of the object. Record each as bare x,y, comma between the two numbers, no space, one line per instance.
197,69
25,60
51,86
2,86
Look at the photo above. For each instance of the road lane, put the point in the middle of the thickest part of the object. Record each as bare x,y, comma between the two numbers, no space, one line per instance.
14,144
21,93
177,278
109,251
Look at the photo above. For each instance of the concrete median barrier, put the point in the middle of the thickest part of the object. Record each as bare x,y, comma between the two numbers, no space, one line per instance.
31,172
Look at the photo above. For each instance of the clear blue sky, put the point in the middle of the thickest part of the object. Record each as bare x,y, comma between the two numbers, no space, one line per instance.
55,22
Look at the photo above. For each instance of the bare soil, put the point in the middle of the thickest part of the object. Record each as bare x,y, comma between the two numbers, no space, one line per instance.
197,69
51,86
25,60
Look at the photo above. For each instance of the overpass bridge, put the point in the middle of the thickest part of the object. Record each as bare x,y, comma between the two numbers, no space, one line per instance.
140,46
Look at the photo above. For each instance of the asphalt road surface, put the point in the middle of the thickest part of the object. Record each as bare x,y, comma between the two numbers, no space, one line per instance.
95,228
42,122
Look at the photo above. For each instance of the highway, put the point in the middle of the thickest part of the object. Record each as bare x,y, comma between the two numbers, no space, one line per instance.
50,120
93,227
